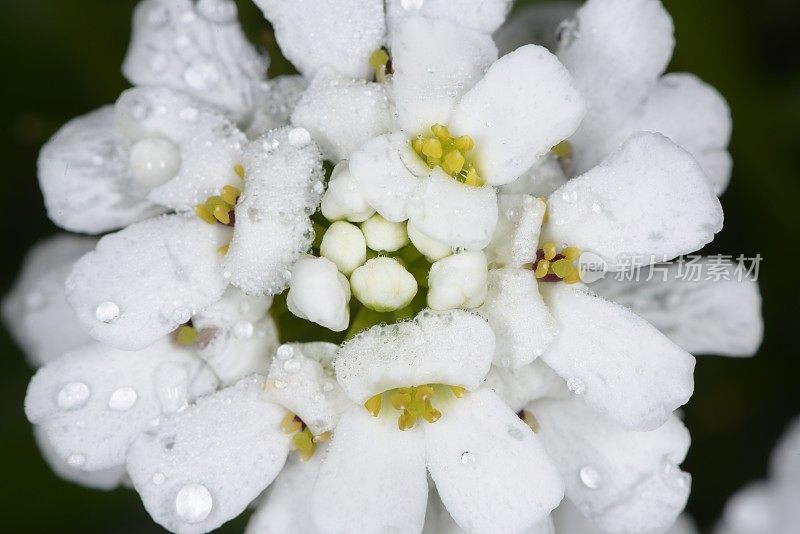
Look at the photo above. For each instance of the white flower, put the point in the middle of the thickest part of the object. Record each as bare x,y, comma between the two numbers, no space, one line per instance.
320,293
143,282
458,281
483,460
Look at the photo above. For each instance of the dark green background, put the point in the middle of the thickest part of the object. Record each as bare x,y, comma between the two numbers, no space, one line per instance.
61,58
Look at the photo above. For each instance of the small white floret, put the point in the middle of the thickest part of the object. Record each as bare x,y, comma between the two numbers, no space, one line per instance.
344,244
382,284
383,235
458,281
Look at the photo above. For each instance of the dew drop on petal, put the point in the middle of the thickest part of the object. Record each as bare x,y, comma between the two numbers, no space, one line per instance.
158,478
106,312
570,197
589,476
76,460
299,137
243,330
467,458
284,352
193,503
181,315
73,395
201,75
576,385
123,399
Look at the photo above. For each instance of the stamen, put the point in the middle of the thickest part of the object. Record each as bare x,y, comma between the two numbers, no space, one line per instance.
563,150
239,170
379,61
186,336
451,154
303,441
552,266
373,405
413,403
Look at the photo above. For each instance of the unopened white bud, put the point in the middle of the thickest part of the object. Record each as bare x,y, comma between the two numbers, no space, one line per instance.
430,248
343,199
344,244
382,284
383,235
320,293
458,281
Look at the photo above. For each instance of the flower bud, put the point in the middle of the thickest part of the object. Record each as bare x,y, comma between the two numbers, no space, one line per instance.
320,293
382,284
458,281
344,244
383,235
343,200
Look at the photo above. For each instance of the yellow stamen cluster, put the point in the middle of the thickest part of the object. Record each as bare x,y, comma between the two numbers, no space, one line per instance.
379,61
413,402
563,150
186,335
448,152
218,208
303,441
561,265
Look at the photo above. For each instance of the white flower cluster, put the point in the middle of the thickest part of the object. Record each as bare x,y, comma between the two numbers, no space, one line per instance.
359,287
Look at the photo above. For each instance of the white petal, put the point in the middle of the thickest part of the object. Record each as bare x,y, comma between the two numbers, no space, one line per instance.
103,479
85,177
631,38
318,292
381,170
458,281
275,104
203,466
615,361
526,104
705,316
35,310
342,113
626,482
541,180
283,186
649,201
452,347
518,387
453,213
94,401
490,470
435,62
518,316
343,200
143,282
482,15
536,24
208,144
433,250
341,34
199,50
516,236
384,236
383,471
569,520
306,387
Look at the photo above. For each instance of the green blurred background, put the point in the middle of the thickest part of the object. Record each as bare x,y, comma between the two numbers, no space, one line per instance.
61,59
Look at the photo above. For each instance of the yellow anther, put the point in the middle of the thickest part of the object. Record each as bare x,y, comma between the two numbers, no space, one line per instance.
431,414
433,162
571,253
304,443
322,438
406,421
202,212
472,177
230,194
291,424
542,268
186,336
455,162
464,143
223,250
373,405
458,391
563,149
222,214
573,277
562,267
378,59
441,131
239,170
417,144
432,148
549,250
401,399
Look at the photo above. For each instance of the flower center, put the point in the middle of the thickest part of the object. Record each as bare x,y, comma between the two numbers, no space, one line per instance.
449,153
413,402
303,441
554,266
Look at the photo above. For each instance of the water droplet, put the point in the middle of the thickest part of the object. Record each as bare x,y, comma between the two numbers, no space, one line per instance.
219,11
123,399
299,137
158,478
193,503
284,352
577,386
107,312
589,476
73,395
172,387
154,161
570,197
243,330
76,460
467,458
201,75
291,366
181,315
318,187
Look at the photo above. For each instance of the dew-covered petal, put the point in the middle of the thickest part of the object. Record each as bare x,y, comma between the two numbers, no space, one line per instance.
518,387
490,470
35,310
303,383
614,360
207,144
275,103
319,293
198,49
482,15
341,34
85,177
516,236
343,200
648,202
541,180
632,39
524,105
453,347
518,316
534,24
203,466
141,283
282,188
626,482
719,313
458,281
453,213
342,113
102,479
92,402
386,171
435,62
